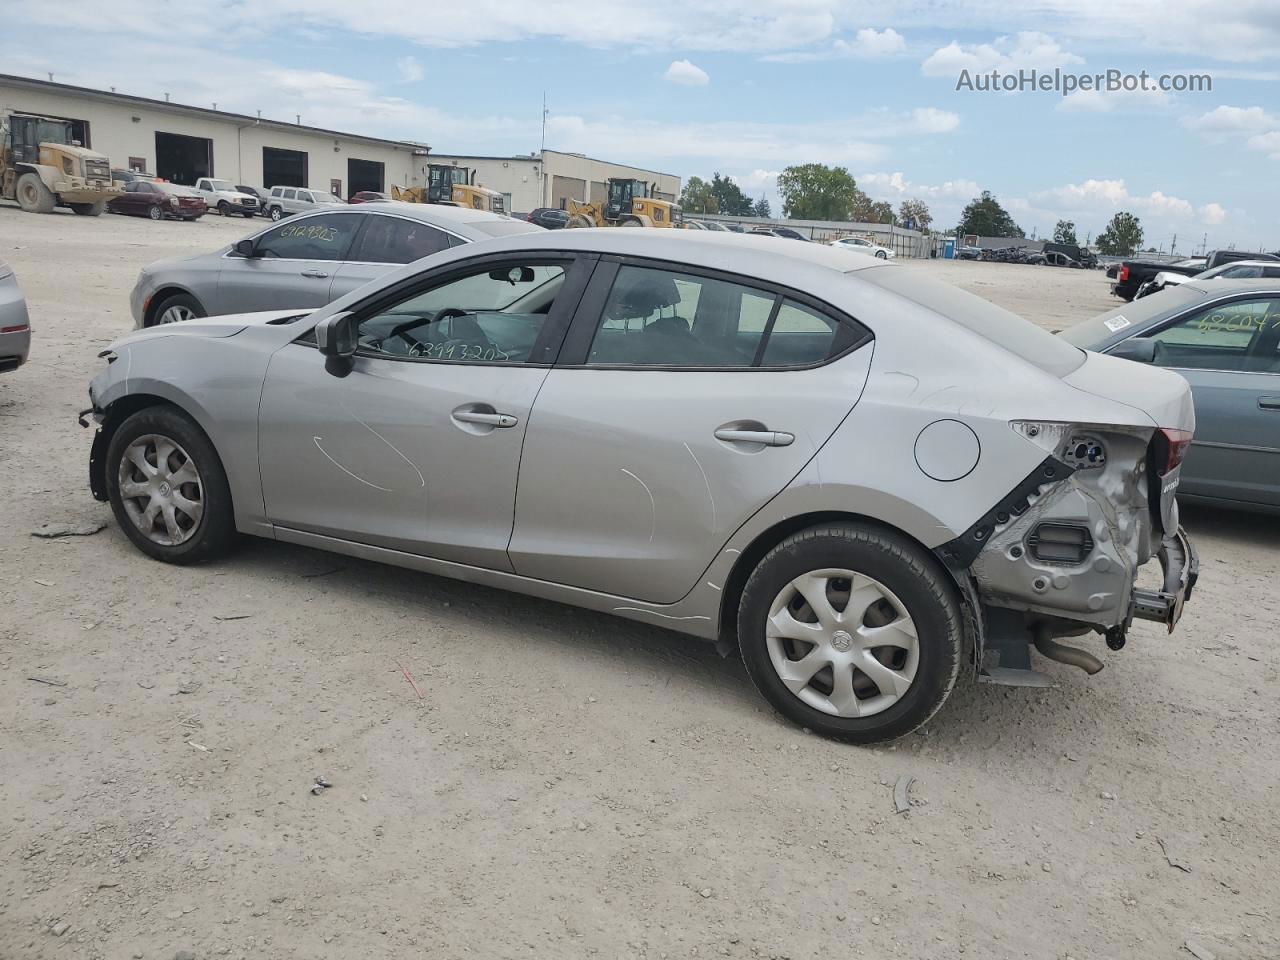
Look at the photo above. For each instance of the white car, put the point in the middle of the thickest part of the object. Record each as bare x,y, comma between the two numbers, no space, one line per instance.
863,245
222,195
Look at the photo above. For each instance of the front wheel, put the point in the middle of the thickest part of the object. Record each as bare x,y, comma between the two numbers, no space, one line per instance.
223,209
851,631
168,489
881,255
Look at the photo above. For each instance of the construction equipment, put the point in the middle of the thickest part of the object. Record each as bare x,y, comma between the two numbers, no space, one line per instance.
630,203
452,186
42,167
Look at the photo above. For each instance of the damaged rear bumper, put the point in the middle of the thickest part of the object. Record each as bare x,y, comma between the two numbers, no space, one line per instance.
1181,566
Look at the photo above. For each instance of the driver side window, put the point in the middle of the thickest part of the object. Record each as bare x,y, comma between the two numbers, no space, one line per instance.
493,314
313,238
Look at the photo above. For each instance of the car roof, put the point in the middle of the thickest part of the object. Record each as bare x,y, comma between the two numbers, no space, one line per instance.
738,252
465,221
1215,287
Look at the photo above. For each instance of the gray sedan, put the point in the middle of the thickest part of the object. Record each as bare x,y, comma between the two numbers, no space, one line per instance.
309,260
15,326
774,444
1223,336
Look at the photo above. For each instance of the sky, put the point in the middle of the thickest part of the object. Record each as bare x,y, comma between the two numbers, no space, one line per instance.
747,88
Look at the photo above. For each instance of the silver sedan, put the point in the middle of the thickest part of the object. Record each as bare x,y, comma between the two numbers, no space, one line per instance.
782,447
15,325
309,260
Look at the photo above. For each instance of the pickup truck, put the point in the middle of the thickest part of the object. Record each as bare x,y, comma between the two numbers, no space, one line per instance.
1130,275
222,195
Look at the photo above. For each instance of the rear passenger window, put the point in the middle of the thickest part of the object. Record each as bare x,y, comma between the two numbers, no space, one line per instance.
396,240
664,318
311,238
288,194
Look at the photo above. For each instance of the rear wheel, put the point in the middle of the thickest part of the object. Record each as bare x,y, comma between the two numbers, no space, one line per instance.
168,489
275,213
88,209
33,196
176,308
851,631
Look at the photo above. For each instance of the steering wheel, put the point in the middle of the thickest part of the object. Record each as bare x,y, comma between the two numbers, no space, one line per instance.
402,330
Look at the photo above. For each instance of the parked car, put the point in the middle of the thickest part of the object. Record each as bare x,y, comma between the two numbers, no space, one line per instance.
226,198
158,201
551,218
259,195
693,225
735,227
309,261
1075,253
863,245
15,324
790,234
968,253
862,533
286,201
367,196
714,226
1129,275
129,176
1056,258
1223,336
1238,270
1220,257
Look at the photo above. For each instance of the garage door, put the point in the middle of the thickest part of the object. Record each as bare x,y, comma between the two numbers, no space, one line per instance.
183,159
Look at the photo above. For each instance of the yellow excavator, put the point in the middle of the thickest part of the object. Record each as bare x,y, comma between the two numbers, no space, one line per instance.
630,203
453,186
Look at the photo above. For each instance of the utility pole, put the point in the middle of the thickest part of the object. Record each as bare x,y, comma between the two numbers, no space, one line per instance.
1173,245
542,153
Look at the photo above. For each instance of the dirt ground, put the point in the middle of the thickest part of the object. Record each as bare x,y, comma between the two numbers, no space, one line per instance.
569,785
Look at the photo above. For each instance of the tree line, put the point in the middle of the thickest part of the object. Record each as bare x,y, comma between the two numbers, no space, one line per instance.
815,191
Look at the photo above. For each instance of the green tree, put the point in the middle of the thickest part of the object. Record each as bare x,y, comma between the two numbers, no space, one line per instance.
1065,232
697,197
986,218
730,200
761,208
1122,237
880,211
814,191
917,213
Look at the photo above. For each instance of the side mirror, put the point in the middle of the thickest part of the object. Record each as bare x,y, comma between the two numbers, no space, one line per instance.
1141,349
337,340
246,248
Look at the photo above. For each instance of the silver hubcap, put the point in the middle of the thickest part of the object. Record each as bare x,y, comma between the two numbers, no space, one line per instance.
842,642
161,490
176,314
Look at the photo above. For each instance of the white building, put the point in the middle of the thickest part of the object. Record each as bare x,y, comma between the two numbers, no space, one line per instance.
548,180
181,143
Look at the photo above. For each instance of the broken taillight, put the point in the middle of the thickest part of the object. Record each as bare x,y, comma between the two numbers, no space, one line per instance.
1170,449
1124,272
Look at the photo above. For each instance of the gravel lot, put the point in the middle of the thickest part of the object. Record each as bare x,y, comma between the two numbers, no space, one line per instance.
569,785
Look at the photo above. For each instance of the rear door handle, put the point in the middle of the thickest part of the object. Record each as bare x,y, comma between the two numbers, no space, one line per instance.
488,419
315,274
770,438
1269,403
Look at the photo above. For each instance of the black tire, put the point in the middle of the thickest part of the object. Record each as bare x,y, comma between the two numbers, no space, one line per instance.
33,196
155,212
223,209
276,214
882,255
215,532
176,300
88,209
914,578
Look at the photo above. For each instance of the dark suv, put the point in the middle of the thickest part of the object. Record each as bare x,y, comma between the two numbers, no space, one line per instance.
549,217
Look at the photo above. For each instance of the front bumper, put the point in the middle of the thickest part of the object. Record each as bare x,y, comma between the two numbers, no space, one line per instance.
1181,566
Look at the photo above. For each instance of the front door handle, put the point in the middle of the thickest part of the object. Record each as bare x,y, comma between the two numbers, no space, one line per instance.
770,438
488,419
1269,403
315,274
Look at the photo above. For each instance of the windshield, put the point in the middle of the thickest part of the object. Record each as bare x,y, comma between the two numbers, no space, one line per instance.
176,191
1092,334
1008,330
53,131
222,185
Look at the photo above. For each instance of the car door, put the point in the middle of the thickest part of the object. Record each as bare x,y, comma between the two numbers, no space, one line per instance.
417,448
684,401
292,266
1228,353
384,242
126,202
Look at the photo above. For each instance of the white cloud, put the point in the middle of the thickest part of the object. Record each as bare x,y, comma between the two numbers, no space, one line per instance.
758,179
889,185
410,69
1212,214
686,74
933,120
1227,120
1027,50
1101,198
1268,142
867,44
1103,101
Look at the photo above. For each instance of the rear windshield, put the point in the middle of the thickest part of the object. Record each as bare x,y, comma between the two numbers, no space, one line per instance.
1092,334
503,228
1008,330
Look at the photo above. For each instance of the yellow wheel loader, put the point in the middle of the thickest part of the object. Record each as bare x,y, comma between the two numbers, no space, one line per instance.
630,203
453,186
42,167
